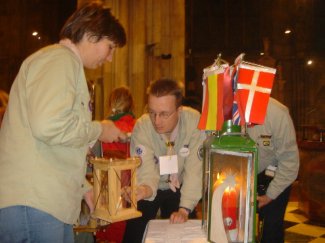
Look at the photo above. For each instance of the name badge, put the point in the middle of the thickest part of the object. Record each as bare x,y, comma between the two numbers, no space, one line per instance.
184,152
168,164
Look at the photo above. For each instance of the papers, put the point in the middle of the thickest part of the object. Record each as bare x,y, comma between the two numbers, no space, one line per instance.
161,231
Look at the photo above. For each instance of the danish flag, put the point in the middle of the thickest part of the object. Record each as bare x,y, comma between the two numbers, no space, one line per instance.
254,85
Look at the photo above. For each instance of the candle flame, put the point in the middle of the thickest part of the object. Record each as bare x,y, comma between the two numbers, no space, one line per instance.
226,178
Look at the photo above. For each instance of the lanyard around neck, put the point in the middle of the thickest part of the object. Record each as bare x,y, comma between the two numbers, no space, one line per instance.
170,142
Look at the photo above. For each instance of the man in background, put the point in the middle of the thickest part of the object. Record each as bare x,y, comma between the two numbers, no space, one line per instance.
278,165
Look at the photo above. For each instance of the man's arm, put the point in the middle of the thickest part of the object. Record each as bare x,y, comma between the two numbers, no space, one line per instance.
147,173
286,153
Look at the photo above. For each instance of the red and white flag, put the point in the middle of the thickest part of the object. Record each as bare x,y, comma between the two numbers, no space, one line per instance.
254,85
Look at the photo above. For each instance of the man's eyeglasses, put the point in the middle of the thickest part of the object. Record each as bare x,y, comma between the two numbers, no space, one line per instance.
162,115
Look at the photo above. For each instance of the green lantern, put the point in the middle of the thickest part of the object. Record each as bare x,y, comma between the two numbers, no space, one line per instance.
229,188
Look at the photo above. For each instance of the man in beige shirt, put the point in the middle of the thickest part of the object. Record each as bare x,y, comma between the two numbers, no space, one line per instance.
168,142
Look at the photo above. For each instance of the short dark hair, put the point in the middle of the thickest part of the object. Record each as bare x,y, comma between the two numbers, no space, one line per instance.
165,86
95,20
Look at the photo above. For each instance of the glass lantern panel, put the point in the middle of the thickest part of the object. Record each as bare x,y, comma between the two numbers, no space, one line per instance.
103,197
126,188
230,190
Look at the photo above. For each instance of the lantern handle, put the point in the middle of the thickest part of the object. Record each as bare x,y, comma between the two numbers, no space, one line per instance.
233,134
243,134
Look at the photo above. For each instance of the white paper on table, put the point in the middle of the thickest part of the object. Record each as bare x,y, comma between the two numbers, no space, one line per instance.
161,231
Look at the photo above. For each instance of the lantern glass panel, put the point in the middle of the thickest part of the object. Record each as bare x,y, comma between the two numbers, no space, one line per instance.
125,187
103,198
230,189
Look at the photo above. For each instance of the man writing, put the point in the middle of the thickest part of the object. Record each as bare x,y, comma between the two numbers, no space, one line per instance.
168,142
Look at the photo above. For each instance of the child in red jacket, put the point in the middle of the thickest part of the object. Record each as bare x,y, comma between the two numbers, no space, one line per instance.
121,106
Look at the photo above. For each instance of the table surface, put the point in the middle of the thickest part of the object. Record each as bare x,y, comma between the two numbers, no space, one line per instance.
160,231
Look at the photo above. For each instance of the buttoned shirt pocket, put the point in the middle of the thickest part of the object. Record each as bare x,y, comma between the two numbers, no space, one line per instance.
266,150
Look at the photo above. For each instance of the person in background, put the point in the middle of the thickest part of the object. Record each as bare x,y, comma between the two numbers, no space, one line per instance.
278,165
166,136
120,106
3,104
47,130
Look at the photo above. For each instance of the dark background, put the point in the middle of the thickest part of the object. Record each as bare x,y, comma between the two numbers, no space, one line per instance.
229,27
18,19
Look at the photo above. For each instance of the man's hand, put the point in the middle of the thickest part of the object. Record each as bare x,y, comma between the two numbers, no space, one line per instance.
263,200
89,198
143,192
110,133
179,217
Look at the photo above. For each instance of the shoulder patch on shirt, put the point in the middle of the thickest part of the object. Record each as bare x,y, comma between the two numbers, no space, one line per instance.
90,106
200,152
140,150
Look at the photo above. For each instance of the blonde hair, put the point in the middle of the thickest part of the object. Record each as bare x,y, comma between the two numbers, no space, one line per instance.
120,101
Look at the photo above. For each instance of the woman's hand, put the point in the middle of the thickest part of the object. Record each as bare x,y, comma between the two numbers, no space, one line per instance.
89,198
110,133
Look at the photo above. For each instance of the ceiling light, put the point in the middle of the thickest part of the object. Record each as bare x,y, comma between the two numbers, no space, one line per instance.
287,31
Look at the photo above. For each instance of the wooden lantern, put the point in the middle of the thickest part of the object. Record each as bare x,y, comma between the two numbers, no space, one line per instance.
114,189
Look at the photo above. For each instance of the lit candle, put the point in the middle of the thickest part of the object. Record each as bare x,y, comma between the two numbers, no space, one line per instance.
229,212
218,230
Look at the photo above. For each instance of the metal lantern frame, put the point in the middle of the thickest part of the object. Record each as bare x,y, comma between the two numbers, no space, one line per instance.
114,200
231,151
